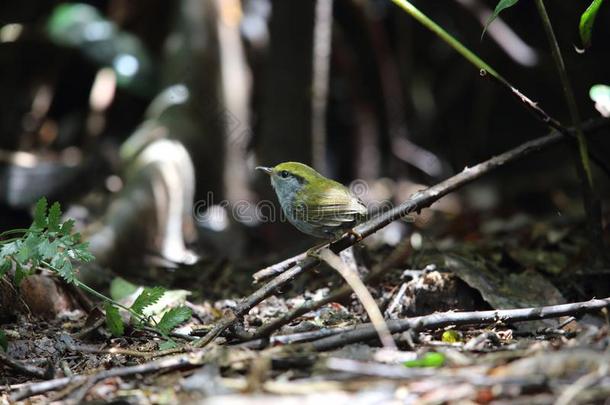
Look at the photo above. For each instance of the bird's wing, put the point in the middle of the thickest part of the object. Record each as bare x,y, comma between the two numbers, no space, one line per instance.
333,207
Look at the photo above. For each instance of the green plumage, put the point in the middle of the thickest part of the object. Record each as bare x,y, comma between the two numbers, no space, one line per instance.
314,204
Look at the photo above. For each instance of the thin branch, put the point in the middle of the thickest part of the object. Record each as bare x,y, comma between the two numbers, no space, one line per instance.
367,331
277,268
22,368
165,364
416,203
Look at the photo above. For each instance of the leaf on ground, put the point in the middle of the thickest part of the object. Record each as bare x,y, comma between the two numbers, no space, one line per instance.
114,323
451,336
148,297
587,19
121,288
173,318
432,359
501,6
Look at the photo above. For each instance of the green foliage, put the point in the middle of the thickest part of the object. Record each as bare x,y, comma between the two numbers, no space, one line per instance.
121,288
114,323
4,267
587,19
46,242
3,340
501,6
52,244
431,359
147,298
173,318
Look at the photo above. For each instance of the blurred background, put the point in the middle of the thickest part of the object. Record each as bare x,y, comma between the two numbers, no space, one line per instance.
146,118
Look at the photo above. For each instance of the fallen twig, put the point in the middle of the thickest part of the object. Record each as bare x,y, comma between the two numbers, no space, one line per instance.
165,364
277,268
129,352
25,369
438,320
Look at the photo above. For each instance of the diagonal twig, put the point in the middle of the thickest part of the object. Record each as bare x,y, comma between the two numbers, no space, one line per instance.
164,364
25,369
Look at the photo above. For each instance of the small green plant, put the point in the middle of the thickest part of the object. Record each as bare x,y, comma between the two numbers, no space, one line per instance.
51,244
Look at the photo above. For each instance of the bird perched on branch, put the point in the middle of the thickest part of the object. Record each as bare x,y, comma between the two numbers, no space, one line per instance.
315,205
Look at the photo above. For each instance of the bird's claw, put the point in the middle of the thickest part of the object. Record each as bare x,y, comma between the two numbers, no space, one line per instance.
357,235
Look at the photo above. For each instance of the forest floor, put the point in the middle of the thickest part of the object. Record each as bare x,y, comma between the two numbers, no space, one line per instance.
517,262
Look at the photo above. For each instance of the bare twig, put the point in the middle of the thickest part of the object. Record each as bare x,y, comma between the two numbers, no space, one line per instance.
89,329
416,203
277,268
22,368
129,352
396,300
438,320
165,364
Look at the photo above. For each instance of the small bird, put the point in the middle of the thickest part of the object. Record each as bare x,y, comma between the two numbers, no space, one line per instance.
315,205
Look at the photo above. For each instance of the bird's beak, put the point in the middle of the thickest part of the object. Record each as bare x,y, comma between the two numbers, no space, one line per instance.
267,170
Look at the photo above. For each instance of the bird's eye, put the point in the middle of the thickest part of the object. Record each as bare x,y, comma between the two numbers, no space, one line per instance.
284,174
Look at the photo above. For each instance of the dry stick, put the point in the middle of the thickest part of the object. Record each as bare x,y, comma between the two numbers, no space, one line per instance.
365,297
165,364
416,203
277,268
22,368
367,331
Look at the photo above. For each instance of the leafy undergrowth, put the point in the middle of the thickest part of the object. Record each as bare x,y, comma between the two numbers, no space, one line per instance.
515,262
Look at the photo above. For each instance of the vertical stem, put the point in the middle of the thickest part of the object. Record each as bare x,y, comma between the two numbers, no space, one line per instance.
322,39
567,89
583,167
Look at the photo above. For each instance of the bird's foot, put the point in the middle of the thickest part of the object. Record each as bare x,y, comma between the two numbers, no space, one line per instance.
315,251
357,235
